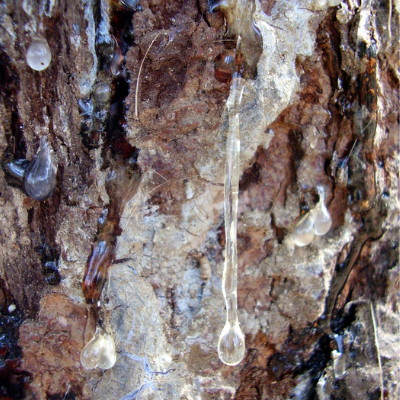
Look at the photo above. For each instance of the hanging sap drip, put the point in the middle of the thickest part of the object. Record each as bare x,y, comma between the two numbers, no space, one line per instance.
323,221
99,352
38,55
232,66
40,176
338,356
304,231
231,346
316,222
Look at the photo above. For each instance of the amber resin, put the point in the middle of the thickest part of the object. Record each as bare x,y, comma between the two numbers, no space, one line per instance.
122,183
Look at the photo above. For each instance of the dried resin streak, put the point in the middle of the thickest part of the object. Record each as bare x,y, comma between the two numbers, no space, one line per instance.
121,185
104,117
243,32
118,155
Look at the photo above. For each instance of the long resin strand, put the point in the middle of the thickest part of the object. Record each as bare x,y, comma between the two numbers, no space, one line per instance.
231,345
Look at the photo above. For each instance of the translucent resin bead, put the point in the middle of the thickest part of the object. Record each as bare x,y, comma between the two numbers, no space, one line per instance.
40,176
323,221
304,231
38,55
102,92
99,352
339,364
231,346
339,361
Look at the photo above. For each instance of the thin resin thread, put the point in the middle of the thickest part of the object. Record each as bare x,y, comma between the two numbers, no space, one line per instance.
231,346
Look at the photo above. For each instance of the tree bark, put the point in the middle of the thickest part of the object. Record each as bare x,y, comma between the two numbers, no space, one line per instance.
143,172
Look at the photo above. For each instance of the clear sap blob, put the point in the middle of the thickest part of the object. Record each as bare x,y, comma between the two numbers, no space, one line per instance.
339,361
40,176
99,352
339,364
38,55
323,221
102,92
304,231
231,346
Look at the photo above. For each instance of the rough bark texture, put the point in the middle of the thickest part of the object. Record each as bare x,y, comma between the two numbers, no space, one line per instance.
322,111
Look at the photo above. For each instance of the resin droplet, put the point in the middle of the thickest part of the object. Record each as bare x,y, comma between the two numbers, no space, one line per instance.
339,364
339,361
323,221
304,231
102,93
231,345
99,352
38,55
40,176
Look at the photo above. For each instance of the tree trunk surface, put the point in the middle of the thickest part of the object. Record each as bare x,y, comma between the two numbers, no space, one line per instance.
143,172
